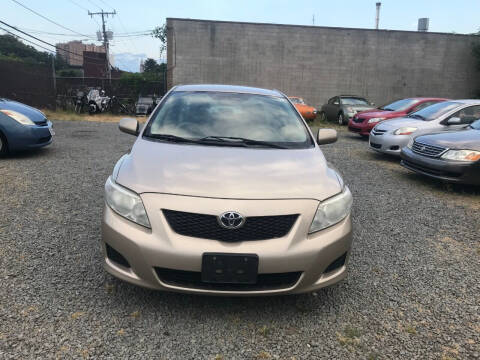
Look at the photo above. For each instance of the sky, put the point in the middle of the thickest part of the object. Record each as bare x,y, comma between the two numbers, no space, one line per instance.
460,16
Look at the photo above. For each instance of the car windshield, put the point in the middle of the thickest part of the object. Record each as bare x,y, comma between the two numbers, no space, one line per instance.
434,111
231,118
400,105
297,101
475,125
145,100
354,101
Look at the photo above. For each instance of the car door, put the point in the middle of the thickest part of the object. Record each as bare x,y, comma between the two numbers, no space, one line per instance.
333,106
462,118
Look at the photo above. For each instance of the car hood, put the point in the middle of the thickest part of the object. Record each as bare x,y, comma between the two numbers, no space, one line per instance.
401,122
360,108
467,139
228,172
369,114
35,115
303,107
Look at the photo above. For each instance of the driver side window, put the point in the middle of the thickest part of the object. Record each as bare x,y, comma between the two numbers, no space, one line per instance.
467,115
336,101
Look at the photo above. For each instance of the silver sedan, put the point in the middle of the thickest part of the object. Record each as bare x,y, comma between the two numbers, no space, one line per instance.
390,136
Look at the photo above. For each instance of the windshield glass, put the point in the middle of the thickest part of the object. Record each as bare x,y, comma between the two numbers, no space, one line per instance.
297,101
400,105
354,101
197,115
434,111
475,125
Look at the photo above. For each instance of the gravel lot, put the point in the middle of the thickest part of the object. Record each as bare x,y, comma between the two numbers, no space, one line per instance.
412,291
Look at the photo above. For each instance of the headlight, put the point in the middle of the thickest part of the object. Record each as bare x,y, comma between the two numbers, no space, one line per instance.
375,120
15,115
461,155
332,211
125,203
404,131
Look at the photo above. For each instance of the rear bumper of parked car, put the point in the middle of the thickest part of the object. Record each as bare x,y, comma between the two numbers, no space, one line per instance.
388,143
162,259
29,137
451,171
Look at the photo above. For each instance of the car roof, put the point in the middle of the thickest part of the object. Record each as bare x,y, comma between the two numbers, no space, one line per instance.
354,96
467,101
227,88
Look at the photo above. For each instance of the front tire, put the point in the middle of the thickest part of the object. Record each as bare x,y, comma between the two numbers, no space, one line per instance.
3,144
341,119
322,116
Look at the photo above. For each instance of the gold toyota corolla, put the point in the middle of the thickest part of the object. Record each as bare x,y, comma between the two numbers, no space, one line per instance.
226,192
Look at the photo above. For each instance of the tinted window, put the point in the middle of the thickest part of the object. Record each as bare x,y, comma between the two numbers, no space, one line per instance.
196,115
434,111
468,115
354,101
400,105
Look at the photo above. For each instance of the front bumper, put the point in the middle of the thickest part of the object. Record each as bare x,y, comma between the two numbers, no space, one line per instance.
146,250
362,128
451,171
30,137
388,143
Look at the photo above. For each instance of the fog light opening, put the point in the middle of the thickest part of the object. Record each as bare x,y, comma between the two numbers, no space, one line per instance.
116,257
395,148
336,264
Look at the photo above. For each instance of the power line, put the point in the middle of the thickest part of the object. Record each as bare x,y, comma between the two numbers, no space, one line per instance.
77,4
47,43
44,17
31,42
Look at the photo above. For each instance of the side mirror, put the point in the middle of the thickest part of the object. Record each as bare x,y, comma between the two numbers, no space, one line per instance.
326,136
454,121
129,126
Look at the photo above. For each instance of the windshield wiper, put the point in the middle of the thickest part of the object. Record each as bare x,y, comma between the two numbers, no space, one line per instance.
237,140
172,138
387,109
416,116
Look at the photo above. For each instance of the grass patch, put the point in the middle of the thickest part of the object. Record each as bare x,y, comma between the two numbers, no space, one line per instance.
72,116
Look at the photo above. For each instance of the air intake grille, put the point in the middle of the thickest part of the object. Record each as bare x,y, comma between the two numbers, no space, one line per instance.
427,150
207,226
358,120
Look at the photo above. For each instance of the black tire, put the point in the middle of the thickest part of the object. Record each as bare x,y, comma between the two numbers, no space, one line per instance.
3,144
322,116
92,109
341,119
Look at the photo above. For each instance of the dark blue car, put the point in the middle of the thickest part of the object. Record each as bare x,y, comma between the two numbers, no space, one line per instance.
22,127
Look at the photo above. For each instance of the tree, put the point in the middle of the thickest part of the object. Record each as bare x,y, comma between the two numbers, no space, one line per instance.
160,32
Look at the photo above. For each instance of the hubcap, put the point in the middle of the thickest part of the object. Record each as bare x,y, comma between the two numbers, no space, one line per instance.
340,119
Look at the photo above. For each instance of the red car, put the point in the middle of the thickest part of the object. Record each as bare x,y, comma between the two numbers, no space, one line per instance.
365,121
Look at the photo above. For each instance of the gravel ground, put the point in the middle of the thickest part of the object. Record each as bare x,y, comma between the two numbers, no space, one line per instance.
412,291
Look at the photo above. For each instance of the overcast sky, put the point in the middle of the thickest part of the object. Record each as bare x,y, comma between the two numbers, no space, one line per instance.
460,16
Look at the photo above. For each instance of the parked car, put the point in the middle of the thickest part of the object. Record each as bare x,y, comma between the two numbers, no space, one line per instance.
145,105
449,156
391,136
22,127
342,108
308,112
209,201
362,123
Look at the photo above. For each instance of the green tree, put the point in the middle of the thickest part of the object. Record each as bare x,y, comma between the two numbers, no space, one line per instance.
160,33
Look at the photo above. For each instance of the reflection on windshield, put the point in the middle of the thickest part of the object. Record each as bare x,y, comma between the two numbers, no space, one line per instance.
197,115
434,111
400,105
354,101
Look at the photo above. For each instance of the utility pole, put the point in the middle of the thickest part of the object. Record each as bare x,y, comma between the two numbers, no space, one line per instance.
313,19
377,17
105,38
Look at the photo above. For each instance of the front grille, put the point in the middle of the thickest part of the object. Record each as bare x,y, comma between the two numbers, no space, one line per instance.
378,132
358,120
207,226
428,170
354,129
427,150
193,280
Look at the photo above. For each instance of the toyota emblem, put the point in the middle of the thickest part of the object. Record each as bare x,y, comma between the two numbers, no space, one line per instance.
231,220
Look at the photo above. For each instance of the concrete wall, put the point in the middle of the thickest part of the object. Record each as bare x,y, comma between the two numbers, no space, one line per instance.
317,63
